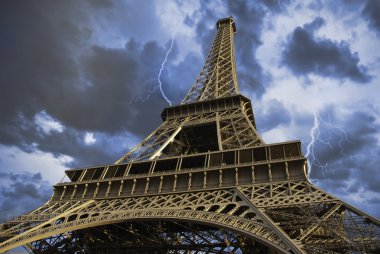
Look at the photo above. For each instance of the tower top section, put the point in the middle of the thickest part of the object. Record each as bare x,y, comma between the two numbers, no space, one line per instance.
230,20
217,78
212,117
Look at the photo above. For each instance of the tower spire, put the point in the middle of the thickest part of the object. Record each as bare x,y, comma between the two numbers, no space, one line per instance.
218,76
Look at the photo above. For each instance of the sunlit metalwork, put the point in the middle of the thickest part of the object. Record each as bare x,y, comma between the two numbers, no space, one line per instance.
203,182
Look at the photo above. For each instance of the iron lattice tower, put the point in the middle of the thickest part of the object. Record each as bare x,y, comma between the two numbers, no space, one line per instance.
203,182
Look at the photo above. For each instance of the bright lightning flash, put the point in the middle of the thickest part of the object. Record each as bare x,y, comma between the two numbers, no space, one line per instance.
162,68
310,149
154,88
315,137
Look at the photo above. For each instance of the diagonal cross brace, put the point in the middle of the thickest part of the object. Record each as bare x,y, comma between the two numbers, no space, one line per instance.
324,217
294,247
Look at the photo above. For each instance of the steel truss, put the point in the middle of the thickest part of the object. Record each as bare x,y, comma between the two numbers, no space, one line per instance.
310,219
152,237
203,182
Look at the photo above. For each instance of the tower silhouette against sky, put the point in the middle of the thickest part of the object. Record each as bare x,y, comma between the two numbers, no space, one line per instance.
204,181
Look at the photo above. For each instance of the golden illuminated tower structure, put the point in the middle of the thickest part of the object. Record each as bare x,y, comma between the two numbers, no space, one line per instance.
203,182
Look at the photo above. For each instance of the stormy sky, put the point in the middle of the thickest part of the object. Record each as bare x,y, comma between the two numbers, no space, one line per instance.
79,84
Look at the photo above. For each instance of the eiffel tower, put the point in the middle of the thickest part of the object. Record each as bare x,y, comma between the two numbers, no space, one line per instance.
203,182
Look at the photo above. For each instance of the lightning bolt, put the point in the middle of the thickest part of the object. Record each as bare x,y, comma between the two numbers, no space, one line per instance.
148,93
162,68
343,137
146,96
315,137
310,148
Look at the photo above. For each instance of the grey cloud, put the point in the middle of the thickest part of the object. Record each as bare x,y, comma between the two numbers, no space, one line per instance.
117,76
304,53
249,16
249,19
41,64
180,77
275,115
317,23
37,64
122,97
102,3
23,193
371,12
368,9
276,5
51,64
107,148
341,7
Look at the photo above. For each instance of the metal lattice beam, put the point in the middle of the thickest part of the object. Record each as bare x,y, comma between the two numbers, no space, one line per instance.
203,182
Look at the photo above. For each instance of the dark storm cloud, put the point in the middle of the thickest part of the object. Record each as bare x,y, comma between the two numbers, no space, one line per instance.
37,68
305,53
33,54
275,115
180,77
249,20
52,65
107,148
117,77
205,28
276,5
21,193
122,96
41,69
371,12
